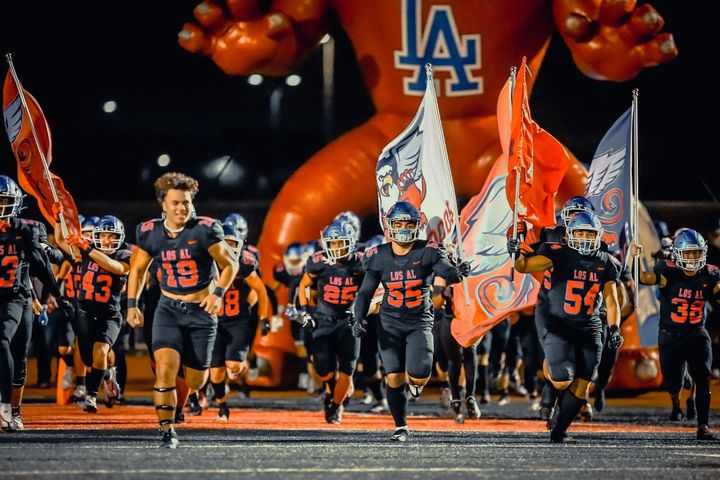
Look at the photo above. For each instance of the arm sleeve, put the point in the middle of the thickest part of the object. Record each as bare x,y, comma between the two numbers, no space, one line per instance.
365,294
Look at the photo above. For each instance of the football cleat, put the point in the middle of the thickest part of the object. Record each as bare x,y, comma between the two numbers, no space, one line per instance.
586,412
111,387
169,439
90,404
194,409
414,390
179,416
703,433
401,434
504,399
334,413
6,418
456,406
223,412
79,394
676,415
17,418
380,406
545,412
473,410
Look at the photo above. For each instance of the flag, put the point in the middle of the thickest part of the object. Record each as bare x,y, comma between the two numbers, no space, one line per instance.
533,154
414,168
31,172
484,222
608,186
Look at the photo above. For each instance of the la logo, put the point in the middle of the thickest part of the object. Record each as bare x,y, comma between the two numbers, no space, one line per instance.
440,44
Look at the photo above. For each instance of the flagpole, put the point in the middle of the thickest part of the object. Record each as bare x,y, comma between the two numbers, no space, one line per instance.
511,90
635,217
448,177
48,175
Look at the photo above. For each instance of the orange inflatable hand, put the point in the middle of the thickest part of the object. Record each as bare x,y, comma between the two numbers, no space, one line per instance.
240,39
612,39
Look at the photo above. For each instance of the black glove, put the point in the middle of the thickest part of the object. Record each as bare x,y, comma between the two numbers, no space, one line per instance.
513,246
358,328
264,326
307,320
464,268
615,340
66,307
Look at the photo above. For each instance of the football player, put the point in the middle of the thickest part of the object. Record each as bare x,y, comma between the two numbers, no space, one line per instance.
185,247
687,284
406,268
572,341
338,272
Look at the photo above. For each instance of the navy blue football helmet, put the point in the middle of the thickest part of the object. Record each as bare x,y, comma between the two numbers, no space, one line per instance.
309,248
108,224
293,258
11,198
403,211
353,220
88,225
575,205
239,222
584,222
689,250
337,232
233,237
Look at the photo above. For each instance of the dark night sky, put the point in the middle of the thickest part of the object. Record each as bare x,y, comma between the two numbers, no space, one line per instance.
170,101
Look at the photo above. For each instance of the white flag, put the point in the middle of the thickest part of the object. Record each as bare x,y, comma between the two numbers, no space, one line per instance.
414,167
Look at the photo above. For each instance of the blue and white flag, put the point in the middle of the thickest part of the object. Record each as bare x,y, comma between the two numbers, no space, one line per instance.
414,168
609,188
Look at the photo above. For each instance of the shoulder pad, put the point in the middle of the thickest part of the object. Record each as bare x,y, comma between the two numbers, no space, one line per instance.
317,257
205,221
370,252
554,245
712,269
149,225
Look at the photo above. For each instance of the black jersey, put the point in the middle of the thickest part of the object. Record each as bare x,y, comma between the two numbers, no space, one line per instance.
683,298
184,263
337,284
407,280
234,302
575,283
22,255
290,281
98,290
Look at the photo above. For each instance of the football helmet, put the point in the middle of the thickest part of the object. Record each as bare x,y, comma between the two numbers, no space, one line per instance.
11,198
403,211
374,241
584,222
233,234
353,220
108,224
293,259
239,222
309,248
689,250
575,205
338,232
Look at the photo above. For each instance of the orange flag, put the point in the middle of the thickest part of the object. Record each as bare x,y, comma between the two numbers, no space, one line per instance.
533,154
31,173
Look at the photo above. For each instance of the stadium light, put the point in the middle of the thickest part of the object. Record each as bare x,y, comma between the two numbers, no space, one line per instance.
110,106
163,160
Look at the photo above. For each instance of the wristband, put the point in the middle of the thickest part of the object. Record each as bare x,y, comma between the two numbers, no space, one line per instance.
132,303
219,291
85,253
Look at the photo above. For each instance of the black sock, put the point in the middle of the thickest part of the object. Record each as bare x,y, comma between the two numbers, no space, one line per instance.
702,400
219,389
569,408
482,379
397,401
330,386
375,387
93,381
80,381
193,398
69,359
